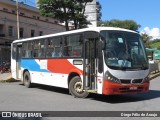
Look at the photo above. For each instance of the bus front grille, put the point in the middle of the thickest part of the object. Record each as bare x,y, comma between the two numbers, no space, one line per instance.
131,81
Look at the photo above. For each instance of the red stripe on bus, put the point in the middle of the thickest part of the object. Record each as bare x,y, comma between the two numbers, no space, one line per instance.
62,66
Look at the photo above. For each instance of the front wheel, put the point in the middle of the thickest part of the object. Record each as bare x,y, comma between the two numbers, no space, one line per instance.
76,88
27,79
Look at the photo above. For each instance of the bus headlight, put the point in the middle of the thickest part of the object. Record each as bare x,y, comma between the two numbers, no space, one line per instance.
111,78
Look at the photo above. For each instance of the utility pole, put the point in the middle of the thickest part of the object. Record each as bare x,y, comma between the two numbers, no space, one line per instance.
17,19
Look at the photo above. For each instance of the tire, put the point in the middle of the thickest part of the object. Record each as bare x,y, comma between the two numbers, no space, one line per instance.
27,79
75,88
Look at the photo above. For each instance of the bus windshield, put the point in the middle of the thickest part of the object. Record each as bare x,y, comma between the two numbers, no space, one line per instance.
124,50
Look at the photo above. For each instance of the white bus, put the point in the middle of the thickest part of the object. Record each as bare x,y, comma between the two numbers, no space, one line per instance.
102,60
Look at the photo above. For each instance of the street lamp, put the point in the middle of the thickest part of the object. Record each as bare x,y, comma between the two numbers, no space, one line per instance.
17,19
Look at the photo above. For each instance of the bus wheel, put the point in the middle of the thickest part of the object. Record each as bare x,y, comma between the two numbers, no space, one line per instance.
76,88
27,79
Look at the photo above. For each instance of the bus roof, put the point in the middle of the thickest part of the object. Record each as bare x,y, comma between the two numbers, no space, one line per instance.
97,29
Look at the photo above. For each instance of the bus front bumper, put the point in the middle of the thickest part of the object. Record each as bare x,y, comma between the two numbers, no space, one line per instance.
111,88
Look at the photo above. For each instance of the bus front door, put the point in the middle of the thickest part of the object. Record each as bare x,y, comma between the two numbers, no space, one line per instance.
90,64
18,61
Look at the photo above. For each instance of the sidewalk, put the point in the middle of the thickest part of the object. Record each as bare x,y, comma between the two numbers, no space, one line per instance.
5,76
154,75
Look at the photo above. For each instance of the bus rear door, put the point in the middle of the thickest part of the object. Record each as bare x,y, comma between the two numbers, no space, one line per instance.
90,61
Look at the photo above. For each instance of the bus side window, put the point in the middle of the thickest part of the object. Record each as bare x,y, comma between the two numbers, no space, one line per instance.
27,50
41,51
30,49
14,51
36,48
56,52
66,47
50,48
24,50
75,45
54,47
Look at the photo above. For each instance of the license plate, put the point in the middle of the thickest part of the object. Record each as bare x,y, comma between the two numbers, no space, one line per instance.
133,88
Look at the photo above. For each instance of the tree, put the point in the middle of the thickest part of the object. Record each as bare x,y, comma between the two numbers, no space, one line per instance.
77,13
147,39
127,24
66,10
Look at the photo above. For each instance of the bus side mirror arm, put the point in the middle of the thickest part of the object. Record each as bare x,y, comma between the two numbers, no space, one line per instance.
100,56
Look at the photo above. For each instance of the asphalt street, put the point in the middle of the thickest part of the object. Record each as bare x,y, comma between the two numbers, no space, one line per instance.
16,97
4,76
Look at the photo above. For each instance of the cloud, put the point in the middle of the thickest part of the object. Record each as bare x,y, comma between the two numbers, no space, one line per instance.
154,32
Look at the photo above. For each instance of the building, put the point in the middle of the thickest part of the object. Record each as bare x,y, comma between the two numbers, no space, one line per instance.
31,25
91,13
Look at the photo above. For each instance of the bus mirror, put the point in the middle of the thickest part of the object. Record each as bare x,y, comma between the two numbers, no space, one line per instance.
102,40
101,46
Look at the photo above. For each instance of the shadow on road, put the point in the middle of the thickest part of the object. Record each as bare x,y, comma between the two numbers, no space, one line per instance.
51,88
115,99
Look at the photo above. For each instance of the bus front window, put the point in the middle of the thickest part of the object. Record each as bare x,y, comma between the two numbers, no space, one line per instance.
124,50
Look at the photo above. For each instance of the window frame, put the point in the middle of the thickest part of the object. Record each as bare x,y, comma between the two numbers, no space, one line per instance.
31,56
10,31
60,46
82,44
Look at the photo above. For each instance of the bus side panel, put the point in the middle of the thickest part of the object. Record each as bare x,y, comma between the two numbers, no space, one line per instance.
13,68
63,66
100,83
52,72
13,61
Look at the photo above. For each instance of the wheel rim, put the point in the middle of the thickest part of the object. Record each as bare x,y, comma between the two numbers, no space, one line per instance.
78,87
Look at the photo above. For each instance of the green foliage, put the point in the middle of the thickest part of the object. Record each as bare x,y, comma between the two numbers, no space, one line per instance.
150,43
99,13
127,24
66,10
155,44
147,40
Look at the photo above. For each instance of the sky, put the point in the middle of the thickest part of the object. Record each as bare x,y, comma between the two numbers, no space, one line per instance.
143,12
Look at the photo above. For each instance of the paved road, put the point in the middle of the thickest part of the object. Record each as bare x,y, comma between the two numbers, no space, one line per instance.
16,97
4,76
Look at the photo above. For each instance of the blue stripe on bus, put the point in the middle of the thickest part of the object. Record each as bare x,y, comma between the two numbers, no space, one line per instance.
31,65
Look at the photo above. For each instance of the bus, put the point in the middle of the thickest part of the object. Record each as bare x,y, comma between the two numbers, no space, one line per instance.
102,60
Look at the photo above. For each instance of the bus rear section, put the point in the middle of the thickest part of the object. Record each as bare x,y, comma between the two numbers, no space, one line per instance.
102,60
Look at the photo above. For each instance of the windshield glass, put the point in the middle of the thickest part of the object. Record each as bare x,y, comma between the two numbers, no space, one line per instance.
124,50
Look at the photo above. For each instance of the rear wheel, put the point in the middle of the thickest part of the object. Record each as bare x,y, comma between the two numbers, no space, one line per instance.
76,88
27,79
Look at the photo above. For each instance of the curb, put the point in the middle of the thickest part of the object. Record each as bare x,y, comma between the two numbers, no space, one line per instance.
8,79
152,76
